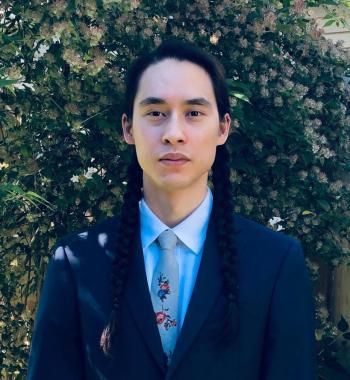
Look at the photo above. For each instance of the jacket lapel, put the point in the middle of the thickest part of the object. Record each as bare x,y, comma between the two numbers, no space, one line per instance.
140,304
206,290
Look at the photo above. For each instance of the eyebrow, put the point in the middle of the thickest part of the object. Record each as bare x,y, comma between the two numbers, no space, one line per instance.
196,101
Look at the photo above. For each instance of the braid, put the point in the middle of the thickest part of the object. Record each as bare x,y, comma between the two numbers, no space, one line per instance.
224,227
128,223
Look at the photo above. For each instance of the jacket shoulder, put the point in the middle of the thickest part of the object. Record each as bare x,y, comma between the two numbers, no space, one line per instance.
254,230
263,246
89,241
86,233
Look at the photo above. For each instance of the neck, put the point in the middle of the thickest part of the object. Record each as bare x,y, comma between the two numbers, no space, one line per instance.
172,207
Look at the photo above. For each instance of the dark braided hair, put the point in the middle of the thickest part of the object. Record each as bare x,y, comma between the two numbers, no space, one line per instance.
129,223
222,204
224,229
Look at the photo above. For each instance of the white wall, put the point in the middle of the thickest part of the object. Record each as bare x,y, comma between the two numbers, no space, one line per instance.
332,32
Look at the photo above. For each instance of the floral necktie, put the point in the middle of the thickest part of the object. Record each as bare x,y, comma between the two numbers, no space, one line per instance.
165,292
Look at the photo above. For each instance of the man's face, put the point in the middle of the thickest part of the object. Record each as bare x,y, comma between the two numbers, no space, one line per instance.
175,111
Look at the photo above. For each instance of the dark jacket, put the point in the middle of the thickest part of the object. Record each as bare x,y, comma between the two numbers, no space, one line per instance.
275,314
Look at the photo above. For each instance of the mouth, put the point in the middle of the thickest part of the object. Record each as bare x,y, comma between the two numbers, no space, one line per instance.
174,157
177,162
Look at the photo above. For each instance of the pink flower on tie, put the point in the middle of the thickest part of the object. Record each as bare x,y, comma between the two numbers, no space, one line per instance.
162,318
164,287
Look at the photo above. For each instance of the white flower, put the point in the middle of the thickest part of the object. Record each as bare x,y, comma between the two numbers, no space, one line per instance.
258,145
88,174
235,123
272,159
280,228
214,39
14,263
23,85
102,172
56,37
74,179
275,220
43,48
19,86
302,174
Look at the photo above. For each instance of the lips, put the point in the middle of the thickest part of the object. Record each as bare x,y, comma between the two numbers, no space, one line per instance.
174,157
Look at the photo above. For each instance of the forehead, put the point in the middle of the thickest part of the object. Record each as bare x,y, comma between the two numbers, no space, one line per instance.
171,79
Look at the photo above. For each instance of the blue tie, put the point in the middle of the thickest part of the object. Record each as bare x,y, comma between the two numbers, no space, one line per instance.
165,292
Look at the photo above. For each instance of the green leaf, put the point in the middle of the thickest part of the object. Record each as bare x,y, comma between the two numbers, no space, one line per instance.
7,82
307,212
11,188
329,23
39,199
240,96
11,193
329,2
324,204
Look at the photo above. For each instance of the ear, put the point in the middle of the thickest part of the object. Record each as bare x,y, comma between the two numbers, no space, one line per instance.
224,131
127,130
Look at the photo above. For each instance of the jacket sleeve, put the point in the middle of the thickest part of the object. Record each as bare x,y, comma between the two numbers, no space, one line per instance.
290,348
56,349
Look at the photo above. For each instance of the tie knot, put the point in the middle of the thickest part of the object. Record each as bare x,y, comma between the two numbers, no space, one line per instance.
167,240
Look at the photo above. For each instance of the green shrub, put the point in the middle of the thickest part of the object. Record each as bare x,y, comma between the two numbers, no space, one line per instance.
62,69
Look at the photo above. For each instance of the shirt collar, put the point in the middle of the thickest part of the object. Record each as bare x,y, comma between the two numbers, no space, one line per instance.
191,231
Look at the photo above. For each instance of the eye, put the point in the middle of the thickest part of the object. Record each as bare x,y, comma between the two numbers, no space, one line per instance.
155,114
195,113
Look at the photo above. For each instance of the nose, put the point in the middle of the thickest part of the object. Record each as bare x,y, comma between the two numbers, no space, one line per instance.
174,130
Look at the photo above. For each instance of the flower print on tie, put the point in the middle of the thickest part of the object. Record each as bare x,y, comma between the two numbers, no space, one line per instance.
163,318
164,287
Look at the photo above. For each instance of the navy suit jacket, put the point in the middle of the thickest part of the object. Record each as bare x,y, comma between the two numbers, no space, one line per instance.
275,312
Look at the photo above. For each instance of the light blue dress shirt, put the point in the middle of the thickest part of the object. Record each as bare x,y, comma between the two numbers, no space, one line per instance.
191,233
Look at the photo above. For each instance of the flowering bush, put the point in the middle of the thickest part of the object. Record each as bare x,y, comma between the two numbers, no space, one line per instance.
63,160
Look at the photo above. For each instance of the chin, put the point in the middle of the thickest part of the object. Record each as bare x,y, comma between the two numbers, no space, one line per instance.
177,184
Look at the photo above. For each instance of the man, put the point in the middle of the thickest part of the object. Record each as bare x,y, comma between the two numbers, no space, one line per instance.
197,292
